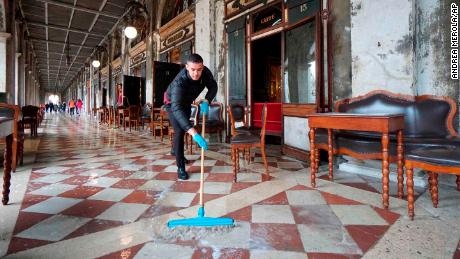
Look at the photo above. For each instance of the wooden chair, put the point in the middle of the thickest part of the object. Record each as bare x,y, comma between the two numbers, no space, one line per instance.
146,115
238,115
119,114
110,116
248,141
14,111
159,121
435,160
30,118
133,118
9,117
94,114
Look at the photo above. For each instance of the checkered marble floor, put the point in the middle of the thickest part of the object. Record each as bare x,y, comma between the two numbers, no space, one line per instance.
95,191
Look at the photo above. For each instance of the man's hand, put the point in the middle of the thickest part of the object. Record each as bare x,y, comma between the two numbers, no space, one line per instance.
204,107
201,141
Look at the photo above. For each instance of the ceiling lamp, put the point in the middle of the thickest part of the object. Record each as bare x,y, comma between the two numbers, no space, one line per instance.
136,17
130,32
96,63
101,52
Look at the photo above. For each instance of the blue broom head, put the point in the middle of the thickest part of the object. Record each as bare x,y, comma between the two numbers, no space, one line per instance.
201,222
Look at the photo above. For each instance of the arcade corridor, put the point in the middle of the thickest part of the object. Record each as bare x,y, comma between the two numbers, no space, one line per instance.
88,191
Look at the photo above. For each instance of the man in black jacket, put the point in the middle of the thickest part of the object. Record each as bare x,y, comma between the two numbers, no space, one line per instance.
179,96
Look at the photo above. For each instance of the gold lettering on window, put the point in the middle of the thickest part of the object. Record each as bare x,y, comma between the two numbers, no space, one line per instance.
267,19
303,7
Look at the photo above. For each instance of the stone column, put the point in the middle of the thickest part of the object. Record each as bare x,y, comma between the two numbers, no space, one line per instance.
148,69
432,49
209,35
3,49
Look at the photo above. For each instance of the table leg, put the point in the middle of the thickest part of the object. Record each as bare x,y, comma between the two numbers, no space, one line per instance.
385,170
458,182
312,158
330,154
400,150
14,155
7,169
410,190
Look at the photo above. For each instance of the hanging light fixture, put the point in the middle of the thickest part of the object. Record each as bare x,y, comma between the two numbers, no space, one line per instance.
135,16
96,63
99,52
130,32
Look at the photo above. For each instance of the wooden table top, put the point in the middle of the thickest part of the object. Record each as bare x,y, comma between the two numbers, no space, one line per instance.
379,122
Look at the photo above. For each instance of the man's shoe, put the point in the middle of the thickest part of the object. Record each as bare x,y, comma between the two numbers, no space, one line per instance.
182,174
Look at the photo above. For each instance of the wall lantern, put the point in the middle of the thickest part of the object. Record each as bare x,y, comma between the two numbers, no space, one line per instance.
135,17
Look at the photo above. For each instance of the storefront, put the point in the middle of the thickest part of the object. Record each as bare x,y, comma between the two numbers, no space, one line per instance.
275,55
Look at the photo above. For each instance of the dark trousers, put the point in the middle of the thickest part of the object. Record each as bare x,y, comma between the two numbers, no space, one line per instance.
178,142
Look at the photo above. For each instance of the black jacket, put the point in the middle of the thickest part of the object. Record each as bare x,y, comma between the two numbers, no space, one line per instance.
183,91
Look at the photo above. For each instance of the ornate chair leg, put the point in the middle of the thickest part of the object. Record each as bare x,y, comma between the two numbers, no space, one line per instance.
434,190
458,182
233,155
410,190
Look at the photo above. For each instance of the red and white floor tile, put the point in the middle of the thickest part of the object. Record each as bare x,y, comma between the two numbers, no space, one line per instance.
100,192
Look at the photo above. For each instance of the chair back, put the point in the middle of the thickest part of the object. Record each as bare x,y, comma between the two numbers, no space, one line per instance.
195,110
29,111
164,113
134,112
215,112
146,111
237,114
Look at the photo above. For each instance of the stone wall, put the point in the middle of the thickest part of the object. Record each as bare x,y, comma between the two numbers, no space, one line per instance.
382,46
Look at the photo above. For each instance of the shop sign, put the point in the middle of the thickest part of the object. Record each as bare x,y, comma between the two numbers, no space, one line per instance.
139,58
267,18
177,37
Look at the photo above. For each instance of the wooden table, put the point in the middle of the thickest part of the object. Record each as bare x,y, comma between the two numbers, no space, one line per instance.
382,123
6,132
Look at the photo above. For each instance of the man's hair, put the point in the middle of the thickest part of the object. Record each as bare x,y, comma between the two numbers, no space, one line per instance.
195,58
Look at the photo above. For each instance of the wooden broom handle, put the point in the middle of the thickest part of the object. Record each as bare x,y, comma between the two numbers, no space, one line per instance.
202,163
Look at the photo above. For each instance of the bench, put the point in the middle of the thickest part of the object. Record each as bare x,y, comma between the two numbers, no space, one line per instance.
428,122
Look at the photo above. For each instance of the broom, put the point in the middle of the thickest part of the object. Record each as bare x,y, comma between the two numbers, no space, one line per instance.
201,220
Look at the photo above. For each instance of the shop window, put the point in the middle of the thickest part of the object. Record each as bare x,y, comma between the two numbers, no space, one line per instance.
300,65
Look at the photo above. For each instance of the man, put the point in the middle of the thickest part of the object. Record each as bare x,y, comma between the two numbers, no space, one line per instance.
178,98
